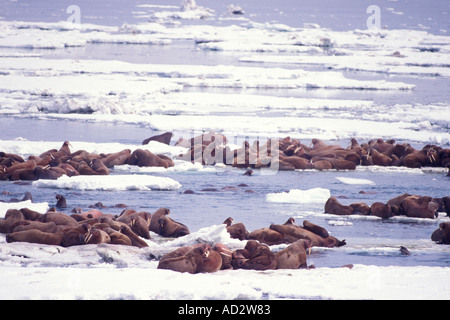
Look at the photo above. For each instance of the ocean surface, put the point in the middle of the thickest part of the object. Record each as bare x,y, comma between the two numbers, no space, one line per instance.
133,69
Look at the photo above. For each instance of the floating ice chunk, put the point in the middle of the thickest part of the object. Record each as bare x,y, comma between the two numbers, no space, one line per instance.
355,181
340,223
41,207
315,195
110,183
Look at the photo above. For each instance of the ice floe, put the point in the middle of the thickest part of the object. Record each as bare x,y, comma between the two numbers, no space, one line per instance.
315,195
347,180
110,183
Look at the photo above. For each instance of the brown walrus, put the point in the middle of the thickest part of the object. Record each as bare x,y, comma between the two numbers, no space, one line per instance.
442,234
333,206
96,236
292,233
259,256
212,262
35,236
419,207
135,240
23,225
190,262
171,228
294,256
237,230
154,225
163,138
117,237
381,210
267,236
315,229
11,217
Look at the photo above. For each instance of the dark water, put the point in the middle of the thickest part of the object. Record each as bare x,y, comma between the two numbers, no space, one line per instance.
369,241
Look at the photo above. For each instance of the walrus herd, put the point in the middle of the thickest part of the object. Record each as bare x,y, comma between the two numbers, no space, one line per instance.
89,227
210,149
415,206
257,254
52,164
291,154
130,228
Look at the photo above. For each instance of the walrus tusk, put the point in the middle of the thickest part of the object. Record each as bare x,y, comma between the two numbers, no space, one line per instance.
226,254
88,237
309,251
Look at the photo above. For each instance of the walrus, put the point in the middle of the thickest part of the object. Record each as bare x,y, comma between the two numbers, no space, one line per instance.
381,210
294,256
93,213
35,236
297,162
166,159
69,169
419,207
267,236
171,228
341,164
360,208
30,214
48,173
96,236
395,204
139,226
117,237
13,156
238,258
212,262
116,159
226,255
61,201
293,233
11,217
322,165
154,225
145,158
60,219
99,167
85,170
75,236
135,240
446,202
189,262
237,230
163,138
334,207
29,164
380,159
260,257
23,225
23,174
315,229
442,234
179,252
139,222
